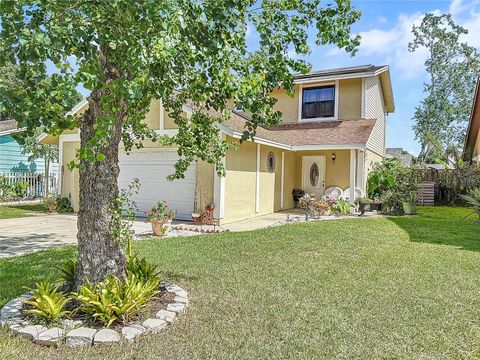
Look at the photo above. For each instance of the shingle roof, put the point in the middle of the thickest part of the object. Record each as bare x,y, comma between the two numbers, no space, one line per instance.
7,125
338,132
352,70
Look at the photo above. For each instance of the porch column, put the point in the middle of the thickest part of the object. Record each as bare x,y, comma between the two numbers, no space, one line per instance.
282,182
353,165
219,194
257,182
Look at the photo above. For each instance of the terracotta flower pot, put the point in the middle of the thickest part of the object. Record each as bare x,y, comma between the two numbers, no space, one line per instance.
161,227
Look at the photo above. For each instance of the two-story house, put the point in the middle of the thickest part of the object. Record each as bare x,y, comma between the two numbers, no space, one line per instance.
331,133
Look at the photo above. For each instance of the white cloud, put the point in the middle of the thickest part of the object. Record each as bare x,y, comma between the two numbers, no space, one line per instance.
391,46
457,7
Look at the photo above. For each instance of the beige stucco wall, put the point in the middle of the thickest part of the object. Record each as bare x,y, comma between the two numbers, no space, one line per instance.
287,105
152,119
350,99
476,149
204,186
240,178
69,178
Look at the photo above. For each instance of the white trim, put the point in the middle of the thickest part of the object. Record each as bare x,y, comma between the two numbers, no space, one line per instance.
321,159
300,98
361,169
327,147
340,77
257,182
12,131
162,115
282,182
374,151
257,140
77,107
353,160
69,137
219,194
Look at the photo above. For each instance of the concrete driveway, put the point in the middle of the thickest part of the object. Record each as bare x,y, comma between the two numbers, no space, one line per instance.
24,235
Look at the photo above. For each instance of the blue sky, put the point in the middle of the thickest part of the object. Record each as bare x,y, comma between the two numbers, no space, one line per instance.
385,27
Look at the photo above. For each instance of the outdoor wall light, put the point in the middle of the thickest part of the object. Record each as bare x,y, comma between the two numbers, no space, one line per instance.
334,157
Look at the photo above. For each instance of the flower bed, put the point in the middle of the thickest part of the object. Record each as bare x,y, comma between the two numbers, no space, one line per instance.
76,333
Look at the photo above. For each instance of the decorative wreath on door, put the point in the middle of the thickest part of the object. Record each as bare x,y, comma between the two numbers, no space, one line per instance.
271,162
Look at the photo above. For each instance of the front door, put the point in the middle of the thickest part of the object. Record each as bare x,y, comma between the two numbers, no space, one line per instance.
313,169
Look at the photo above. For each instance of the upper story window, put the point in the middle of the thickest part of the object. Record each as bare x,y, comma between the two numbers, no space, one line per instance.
318,102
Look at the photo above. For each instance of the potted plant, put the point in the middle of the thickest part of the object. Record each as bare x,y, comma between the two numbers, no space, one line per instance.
409,203
297,194
210,206
363,204
160,216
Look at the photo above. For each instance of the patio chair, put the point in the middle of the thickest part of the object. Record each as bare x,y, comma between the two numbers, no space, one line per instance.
333,193
346,194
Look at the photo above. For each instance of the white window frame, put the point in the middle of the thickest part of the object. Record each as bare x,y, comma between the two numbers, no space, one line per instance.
300,100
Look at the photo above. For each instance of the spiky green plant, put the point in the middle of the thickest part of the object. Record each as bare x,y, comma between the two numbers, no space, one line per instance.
115,300
67,272
48,302
473,199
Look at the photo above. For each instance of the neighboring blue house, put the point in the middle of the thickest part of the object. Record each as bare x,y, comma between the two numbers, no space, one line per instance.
11,157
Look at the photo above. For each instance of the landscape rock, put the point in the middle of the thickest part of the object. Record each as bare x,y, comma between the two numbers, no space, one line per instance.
181,293
173,288
131,332
80,337
106,336
31,332
51,337
178,308
166,315
154,325
12,309
181,299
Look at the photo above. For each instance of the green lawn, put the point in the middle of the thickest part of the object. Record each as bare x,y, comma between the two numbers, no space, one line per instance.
15,211
389,288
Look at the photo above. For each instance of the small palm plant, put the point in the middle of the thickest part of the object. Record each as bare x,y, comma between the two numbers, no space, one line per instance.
473,199
48,302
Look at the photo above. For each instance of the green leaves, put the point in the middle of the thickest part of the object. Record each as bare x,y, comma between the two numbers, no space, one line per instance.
441,117
132,52
48,302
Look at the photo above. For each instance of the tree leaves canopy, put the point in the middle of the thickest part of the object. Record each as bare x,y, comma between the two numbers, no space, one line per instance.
452,65
179,51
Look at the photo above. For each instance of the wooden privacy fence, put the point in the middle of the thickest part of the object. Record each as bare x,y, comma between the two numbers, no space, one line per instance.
448,184
36,182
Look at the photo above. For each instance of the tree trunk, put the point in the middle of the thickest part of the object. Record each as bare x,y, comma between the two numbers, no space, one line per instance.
99,254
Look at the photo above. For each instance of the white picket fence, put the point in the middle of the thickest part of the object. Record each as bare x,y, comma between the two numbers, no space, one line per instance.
36,182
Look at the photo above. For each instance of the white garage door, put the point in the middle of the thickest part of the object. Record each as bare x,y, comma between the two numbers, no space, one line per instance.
152,168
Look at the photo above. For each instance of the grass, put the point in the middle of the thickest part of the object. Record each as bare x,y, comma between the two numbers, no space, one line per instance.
16,211
389,288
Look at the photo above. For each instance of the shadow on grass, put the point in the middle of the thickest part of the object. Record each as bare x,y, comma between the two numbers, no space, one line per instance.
22,272
443,226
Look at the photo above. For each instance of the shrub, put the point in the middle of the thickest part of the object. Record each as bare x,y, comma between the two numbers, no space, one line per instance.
48,302
20,189
13,191
116,300
391,203
341,207
473,199
59,204
141,268
67,272
322,207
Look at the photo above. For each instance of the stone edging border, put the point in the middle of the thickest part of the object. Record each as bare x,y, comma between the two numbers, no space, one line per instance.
74,334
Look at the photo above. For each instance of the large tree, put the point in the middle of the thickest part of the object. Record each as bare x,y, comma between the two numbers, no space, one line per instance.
128,53
452,65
